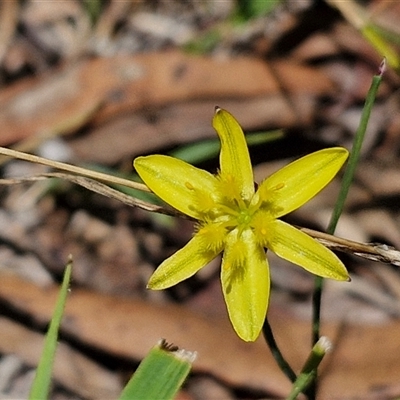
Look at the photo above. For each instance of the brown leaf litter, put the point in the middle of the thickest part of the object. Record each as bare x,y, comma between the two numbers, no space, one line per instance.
129,328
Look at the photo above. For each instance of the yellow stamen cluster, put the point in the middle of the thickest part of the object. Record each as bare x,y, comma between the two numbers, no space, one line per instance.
212,235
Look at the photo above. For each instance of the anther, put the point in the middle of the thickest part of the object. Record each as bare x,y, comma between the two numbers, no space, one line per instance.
189,185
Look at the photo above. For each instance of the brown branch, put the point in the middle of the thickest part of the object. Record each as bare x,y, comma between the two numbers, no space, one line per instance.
370,251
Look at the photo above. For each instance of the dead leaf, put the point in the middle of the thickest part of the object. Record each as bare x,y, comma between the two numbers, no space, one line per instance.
129,328
364,357
73,370
57,101
8,24
149,130
386,15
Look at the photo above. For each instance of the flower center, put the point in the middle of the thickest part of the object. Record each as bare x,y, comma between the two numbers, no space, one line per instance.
225,211
244,218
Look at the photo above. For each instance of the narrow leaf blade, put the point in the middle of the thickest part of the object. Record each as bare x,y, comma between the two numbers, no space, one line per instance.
160,375
41,383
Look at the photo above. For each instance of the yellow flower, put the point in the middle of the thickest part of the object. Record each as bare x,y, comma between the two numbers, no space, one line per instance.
242,222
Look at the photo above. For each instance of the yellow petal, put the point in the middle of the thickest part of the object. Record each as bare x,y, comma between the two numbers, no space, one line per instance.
234,157
299,181
297,247
245,283
181,265
176,182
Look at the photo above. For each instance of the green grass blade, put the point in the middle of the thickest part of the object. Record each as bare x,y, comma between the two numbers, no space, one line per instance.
248,9
160,374
41,383
339,205
355,151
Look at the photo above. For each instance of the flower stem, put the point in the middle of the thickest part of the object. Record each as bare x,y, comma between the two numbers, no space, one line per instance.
355,151
308,372
277,354
346,183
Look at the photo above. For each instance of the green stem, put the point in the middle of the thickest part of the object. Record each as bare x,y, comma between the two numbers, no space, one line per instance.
308,373
346,183
316,301
354,154
277,354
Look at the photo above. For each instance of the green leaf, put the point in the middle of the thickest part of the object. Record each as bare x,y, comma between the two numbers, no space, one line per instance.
248,9
160,374
204,43
41,383
195,153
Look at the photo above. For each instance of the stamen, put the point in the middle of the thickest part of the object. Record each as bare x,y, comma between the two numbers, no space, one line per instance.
265,196
260,228
230,191
204,202
189,185
212,235
238,252
279,186
227,210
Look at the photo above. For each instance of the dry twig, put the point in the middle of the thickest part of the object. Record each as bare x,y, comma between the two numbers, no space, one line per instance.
371,251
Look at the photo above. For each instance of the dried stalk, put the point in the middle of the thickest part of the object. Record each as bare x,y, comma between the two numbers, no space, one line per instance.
370,251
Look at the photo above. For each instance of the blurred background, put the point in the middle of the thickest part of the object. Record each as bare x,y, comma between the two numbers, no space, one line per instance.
96,83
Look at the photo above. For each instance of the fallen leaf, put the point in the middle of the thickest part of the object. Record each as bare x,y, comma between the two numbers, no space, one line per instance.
150,130
129,328
59,102
73,370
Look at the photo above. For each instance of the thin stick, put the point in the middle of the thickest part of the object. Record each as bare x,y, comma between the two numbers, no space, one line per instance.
371,251
74,169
